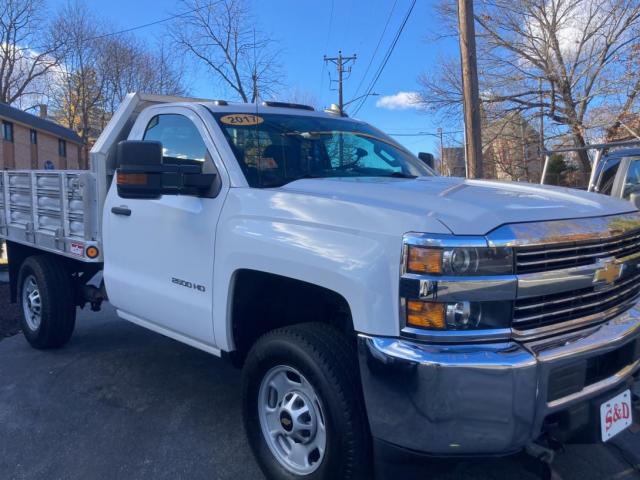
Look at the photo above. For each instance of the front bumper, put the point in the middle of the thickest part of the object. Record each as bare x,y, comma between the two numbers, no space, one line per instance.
490,398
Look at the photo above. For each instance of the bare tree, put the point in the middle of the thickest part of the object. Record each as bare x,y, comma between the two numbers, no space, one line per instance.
119,64
220,35
98,69
128,65
559,58
168,68
28,54
82,84
300,96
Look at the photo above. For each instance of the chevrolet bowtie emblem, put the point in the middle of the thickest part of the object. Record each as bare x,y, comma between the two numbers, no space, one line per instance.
609,273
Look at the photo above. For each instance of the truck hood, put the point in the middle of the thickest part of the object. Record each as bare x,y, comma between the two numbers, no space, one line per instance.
465,207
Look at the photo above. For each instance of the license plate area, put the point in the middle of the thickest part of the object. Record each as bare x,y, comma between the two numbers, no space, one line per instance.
616,415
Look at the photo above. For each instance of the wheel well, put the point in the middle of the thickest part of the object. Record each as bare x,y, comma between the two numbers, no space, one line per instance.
265,301
80,272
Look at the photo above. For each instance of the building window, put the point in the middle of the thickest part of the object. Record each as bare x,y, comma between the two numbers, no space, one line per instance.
34,137
7,131
62,148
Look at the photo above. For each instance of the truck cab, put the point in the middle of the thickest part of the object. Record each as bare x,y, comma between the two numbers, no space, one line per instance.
618,175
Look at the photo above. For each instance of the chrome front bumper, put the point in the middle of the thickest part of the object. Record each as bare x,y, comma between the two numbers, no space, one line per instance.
487,398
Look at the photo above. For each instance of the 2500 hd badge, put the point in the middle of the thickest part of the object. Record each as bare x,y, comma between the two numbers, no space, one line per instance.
184,283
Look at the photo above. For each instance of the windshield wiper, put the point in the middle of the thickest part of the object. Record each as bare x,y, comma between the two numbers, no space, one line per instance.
401,175
308,175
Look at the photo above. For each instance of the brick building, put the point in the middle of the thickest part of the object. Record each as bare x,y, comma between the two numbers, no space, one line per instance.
34,142
511,150
452,163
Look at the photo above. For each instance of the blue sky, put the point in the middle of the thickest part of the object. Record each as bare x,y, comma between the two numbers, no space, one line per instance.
306,30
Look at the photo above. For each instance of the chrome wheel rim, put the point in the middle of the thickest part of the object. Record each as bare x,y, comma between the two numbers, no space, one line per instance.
292,420
31,303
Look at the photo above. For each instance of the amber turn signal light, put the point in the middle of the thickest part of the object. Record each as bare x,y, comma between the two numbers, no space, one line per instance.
92,252
132,178
426,314
424,260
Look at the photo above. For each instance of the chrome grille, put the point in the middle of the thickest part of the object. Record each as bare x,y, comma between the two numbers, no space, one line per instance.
543,258
565,269
557,308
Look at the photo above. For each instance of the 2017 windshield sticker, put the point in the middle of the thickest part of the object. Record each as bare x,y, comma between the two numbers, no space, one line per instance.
241,120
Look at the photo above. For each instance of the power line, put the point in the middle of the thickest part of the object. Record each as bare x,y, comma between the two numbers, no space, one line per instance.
150,24
424,134
386,58
349,11
138,27
375,50
326,45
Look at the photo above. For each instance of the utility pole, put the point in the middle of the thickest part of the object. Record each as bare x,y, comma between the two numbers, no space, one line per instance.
254,74
254,83
471,97
441,151
341,66
542,149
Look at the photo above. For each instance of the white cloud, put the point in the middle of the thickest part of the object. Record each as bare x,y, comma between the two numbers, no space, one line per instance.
399,101
578,22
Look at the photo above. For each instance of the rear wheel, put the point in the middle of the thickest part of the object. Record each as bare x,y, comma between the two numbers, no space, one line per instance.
303,409
46,299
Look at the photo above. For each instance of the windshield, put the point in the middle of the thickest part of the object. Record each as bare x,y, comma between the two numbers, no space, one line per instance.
274,149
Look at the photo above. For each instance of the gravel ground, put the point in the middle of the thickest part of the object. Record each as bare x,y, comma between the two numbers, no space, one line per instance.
8,314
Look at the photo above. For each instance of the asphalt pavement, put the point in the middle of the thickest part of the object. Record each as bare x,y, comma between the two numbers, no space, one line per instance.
120,402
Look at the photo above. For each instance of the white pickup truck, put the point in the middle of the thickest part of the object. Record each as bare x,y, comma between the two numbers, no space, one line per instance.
372,304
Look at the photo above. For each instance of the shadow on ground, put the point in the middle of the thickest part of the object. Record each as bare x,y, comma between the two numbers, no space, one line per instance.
8,313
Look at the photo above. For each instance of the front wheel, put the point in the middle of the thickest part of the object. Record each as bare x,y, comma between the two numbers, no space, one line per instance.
303,408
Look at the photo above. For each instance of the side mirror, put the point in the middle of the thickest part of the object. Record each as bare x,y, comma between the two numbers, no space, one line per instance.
142,174
635,199
427,158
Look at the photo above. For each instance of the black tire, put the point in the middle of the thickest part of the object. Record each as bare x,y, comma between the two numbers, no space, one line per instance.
57,306
326,358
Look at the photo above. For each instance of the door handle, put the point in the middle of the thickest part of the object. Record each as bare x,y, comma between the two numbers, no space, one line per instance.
126,211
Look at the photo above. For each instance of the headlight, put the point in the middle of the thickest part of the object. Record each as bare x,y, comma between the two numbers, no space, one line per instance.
458,315
460,260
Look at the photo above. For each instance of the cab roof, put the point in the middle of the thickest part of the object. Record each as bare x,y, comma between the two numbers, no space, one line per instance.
283,108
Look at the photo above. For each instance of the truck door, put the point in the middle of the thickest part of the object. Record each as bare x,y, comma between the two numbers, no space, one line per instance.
631,182
159,253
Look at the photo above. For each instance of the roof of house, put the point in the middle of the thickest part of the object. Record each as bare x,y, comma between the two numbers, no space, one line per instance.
39,123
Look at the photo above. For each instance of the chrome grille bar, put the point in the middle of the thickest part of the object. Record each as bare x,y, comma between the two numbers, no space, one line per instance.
552,249
572,298
549,257
610,298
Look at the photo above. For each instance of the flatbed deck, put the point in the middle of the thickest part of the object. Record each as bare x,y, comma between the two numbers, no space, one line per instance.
55,211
